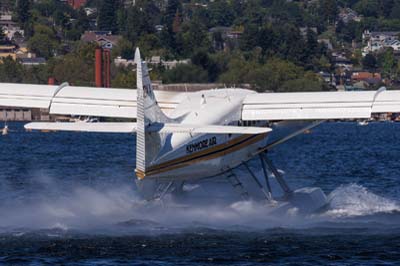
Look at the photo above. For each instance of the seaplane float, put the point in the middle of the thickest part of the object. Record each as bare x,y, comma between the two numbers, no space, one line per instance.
188,137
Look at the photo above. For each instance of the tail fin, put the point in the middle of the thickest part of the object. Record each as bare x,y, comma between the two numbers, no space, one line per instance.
148,112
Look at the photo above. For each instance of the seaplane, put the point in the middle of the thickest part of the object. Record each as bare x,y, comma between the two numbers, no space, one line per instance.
186,137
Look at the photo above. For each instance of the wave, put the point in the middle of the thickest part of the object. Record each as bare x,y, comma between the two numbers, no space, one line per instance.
354,200
118,209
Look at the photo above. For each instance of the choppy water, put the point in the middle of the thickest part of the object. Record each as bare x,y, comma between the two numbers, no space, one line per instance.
69,198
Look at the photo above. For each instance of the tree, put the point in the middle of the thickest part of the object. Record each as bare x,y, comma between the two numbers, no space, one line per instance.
134,23
395,11
388,64
238,70
369,62
22,10
125,78
249,38
149,43
44,42
11,71
310,82
312,43
368,8
386,7
171,10
76,67
329,10
397,70
107,17
176,24
221,13
124,49
194,36
185,73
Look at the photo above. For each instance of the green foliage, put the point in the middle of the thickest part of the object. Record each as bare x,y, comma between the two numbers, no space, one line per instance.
107,18
44,42
387,62
125,78
270,54
193,37
185,73
77,67
275,75
124,49
22,11
135,22
329,10
369,62
368,8
149,43
11,71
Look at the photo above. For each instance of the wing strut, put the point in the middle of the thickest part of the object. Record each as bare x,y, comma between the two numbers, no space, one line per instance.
278,176
267,195
59,88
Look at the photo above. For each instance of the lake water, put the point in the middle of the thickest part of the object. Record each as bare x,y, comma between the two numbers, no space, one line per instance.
70,199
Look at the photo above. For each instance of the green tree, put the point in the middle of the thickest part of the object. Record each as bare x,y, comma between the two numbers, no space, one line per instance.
329,10
134,23
194,36
221,13
388,64
107,16
386,7
238,70
250,38
185,73
22,11
397,70
309,82
395,11
124,49
369,62
172,8
44,41
125,78
368,8
76,67
149,43
11,71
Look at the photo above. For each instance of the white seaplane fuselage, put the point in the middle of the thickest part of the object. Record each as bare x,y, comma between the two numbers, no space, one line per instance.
187,156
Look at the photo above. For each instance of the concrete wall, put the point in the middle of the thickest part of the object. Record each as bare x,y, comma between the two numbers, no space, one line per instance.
15,115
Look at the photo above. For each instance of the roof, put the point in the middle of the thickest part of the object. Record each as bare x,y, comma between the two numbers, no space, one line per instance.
33,61
387,33
98,36
365,75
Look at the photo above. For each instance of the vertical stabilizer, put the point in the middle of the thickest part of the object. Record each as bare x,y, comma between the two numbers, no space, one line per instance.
148,112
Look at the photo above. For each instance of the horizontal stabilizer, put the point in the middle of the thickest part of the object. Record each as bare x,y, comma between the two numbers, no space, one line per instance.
207,129
84,127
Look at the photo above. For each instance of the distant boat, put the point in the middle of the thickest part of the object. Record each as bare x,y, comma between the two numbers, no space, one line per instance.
5,130
363,123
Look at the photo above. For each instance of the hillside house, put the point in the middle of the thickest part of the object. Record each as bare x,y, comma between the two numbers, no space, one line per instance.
347,15
368,77
104,39
8,51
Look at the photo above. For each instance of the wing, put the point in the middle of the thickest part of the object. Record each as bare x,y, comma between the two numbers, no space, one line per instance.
319,105
85,101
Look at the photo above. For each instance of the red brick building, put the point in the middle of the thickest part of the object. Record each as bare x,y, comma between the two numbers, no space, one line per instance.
76,4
